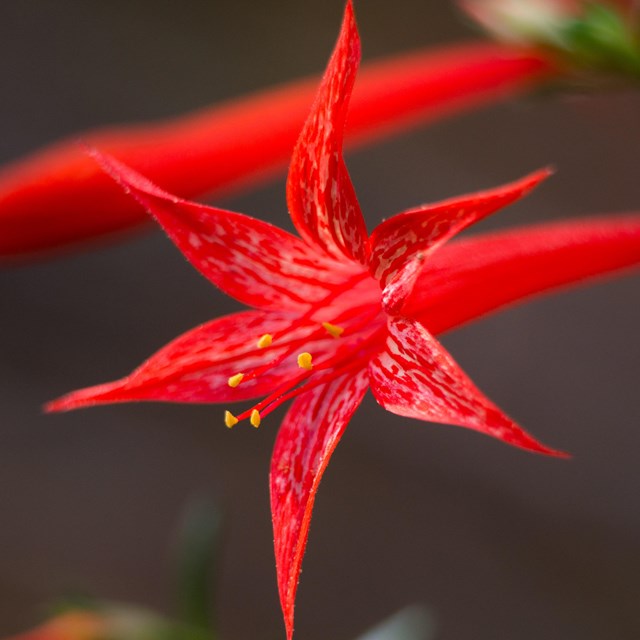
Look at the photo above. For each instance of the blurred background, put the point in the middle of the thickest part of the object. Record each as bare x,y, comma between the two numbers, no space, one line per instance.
497,542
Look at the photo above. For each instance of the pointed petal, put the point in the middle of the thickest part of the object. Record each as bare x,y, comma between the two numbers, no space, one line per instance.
321,199
415,377
196,366
309,434
250,260
470,278
400,244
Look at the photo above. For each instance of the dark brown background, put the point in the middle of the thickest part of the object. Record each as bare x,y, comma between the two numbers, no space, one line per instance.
498,543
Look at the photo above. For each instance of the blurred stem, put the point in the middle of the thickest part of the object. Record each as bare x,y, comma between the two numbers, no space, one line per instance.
197,554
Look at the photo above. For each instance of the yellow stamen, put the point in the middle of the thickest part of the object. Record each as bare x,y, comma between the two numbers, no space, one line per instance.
234,381
230,419
265,341
332,329
304,361
255,418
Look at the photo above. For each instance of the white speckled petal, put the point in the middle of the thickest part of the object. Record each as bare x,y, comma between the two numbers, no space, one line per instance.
250,260
400,244
321,198
307,438
415,377
196,366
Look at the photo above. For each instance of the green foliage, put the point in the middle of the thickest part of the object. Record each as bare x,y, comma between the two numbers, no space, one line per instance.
602,39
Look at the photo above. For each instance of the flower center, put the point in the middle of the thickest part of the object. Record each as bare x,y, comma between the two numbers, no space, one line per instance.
355,330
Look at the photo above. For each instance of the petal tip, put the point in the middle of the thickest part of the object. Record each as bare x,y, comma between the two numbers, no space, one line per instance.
99,394
555,453
527,442
546,172
350,13
288,624
533,179
129,180
54,406
62,404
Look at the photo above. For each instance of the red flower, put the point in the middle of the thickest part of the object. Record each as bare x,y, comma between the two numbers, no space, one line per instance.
337,311
58,196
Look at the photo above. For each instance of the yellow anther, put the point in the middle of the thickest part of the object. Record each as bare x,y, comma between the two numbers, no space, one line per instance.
234,381
304,361
230,419
255,418
265,341
332,329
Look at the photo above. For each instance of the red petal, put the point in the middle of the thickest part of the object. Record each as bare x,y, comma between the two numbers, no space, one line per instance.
415,377
58,196
309,434
250,260
196,366
401,243
320,195
469,278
